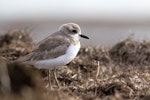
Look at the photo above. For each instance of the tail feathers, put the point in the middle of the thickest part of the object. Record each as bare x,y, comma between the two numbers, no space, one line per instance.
24,59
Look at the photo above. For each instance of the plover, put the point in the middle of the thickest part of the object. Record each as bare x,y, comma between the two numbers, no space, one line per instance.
56,50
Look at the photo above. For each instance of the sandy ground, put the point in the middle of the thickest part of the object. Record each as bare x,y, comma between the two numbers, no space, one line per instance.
117,73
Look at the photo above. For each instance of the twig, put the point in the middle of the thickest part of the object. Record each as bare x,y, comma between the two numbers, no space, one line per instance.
98,70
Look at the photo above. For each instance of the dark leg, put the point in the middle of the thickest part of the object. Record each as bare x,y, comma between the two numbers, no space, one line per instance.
49,79
56,78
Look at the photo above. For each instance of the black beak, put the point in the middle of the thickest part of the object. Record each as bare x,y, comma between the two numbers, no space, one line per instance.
83,36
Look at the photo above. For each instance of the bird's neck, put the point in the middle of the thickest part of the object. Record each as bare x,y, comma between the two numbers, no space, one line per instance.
74,39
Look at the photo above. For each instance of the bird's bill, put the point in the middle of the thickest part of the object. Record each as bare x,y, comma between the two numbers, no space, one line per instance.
83,36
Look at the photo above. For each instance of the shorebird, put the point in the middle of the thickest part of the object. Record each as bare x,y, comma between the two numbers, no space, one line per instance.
56,50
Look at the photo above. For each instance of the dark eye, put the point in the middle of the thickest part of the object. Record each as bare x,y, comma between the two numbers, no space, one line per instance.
74,31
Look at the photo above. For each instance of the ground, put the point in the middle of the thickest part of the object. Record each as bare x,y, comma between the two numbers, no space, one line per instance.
118,72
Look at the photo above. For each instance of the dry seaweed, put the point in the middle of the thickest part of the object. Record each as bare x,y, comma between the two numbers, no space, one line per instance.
131,52
120,72
14,44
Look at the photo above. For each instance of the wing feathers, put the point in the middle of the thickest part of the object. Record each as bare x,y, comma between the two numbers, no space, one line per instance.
51,47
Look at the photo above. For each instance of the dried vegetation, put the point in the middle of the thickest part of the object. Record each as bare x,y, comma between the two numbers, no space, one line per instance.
119,72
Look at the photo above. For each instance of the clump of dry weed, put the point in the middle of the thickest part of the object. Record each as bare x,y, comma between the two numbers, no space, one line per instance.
120,72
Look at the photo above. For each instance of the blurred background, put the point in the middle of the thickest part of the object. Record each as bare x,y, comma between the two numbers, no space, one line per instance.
104,21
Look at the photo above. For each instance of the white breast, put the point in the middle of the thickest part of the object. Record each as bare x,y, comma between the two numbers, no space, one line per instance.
61,60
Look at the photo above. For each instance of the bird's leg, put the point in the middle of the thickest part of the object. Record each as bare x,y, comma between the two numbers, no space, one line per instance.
56,78
49,79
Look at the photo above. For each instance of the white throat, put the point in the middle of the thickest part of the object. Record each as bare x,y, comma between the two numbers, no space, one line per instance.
76,36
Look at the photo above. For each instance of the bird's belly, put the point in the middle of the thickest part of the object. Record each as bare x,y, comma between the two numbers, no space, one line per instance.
59,61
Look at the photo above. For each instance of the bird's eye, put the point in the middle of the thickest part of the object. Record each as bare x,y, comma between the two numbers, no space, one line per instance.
74,31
